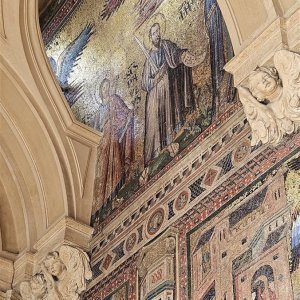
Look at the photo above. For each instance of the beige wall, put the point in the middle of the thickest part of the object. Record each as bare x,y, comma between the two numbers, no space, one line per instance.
47,159
246,20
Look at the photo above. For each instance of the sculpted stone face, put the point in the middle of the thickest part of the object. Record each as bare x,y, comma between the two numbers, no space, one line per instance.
279,85
262,85
63,275
38,292
38,287
54,265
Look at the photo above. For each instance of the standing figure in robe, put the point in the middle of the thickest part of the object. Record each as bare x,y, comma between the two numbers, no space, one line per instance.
221,52
116,152
167,79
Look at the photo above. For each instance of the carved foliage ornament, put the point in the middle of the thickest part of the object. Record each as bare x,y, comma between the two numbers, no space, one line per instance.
272,100
63,276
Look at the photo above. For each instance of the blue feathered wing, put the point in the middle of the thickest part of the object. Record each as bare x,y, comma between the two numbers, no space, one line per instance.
67,61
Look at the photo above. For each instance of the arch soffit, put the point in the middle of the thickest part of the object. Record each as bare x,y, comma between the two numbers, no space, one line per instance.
72,140
32,169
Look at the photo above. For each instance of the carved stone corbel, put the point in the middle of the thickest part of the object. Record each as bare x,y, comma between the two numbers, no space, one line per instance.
10,295
271,99
63,276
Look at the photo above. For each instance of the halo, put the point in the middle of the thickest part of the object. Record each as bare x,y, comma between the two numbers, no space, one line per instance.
97,86
157,18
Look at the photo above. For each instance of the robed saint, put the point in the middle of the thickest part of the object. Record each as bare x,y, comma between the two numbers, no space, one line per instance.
167,79
115,120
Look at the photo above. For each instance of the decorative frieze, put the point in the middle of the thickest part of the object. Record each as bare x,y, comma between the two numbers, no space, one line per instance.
202,192
207,143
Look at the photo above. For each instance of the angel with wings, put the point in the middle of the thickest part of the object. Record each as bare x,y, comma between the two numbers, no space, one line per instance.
66,272
272,100
63,276
67,61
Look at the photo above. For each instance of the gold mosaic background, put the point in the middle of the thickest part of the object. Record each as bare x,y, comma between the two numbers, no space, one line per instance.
112,49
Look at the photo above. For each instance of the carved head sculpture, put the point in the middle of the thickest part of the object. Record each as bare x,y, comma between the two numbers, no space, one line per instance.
63,276
77,267
36,288
54,265
263,82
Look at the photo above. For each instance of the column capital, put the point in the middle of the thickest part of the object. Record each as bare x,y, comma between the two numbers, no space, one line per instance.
62,274
66,233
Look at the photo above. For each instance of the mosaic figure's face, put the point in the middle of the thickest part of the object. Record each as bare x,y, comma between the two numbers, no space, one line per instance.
105,90
155,35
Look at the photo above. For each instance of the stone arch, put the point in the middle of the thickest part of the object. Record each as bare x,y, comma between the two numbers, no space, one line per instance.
46,158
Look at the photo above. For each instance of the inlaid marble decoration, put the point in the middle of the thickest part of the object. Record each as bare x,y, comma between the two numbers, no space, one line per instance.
155,222
148,75
119,294
249,242
292,186
252,238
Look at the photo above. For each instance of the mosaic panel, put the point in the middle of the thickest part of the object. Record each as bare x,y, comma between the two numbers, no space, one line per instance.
150,87
251,251
200,210
120,294
254,250
292,186
148,76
